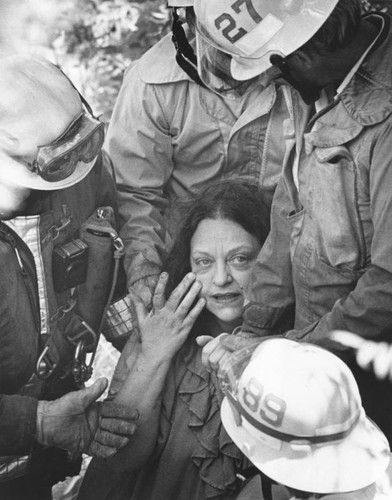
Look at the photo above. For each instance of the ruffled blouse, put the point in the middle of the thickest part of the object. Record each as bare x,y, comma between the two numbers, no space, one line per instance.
194,458
215,455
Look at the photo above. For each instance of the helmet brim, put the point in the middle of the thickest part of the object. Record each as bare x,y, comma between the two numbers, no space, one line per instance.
353,463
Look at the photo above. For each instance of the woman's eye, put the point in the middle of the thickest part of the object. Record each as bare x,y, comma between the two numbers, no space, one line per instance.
239,259
203,262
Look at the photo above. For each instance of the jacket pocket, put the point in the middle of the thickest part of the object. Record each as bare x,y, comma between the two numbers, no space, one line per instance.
338,230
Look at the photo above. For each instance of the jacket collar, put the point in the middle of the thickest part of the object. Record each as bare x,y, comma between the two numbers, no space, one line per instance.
158,65
367,99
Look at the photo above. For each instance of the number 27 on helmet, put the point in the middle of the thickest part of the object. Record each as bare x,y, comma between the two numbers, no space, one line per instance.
236,39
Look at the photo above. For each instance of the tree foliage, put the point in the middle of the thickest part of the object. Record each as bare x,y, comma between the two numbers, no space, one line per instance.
101,38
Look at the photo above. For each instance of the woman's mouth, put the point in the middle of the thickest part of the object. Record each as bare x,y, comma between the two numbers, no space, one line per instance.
226,297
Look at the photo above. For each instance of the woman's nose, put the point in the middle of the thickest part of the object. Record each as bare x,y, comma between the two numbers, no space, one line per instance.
222,274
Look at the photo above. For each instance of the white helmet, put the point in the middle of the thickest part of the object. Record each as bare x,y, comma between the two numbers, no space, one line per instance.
48,139
295,411
235,40
180,3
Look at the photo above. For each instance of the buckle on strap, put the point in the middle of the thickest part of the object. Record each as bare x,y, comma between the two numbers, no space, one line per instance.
45,365
81,370
77,330
85,340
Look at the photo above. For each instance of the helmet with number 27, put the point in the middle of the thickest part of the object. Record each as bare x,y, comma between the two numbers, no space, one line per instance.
295,411
236,38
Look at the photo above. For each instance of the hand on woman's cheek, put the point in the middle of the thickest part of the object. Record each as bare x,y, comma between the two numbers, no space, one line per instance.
165,328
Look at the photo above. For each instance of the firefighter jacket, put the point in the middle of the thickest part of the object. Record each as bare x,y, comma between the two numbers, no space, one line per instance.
32,314
169,137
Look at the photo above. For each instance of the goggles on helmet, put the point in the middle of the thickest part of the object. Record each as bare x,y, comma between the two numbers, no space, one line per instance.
81,142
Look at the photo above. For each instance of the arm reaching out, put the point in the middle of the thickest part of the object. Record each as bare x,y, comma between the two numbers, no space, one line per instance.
160,332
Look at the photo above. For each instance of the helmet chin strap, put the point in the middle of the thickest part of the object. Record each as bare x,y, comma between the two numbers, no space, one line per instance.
185,55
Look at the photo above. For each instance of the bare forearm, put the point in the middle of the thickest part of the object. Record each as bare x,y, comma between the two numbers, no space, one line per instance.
142,390
162,331
144,384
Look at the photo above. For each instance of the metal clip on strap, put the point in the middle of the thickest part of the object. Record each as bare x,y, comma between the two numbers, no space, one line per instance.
81,331
45,365
81,370
118,244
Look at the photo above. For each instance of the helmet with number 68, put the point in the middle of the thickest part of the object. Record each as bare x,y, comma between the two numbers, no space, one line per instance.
296,413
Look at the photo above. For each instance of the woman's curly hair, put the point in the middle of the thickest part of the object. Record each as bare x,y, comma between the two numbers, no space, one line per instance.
236,200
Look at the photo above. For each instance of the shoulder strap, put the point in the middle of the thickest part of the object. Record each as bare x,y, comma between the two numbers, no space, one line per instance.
27,267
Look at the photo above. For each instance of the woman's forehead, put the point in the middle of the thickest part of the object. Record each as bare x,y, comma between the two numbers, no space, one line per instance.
214,233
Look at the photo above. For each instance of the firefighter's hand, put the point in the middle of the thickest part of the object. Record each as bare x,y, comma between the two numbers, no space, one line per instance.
78,423
214,352
217,351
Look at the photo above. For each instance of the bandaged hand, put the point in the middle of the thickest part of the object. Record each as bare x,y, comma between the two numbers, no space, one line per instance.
78,423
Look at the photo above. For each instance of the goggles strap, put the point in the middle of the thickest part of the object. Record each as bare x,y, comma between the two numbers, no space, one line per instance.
185,55
288,438
85,103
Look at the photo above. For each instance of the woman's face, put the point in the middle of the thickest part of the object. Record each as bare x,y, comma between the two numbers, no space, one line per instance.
222,257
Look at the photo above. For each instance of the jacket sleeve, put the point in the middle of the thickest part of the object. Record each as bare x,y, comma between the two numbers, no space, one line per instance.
367,310
139,144
18,416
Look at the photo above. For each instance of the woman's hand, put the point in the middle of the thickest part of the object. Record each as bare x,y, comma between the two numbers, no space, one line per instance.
164,329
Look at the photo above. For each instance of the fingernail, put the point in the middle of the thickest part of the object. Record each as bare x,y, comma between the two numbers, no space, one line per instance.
163,276
191,276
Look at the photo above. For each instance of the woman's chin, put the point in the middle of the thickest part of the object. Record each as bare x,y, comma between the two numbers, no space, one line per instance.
228,319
